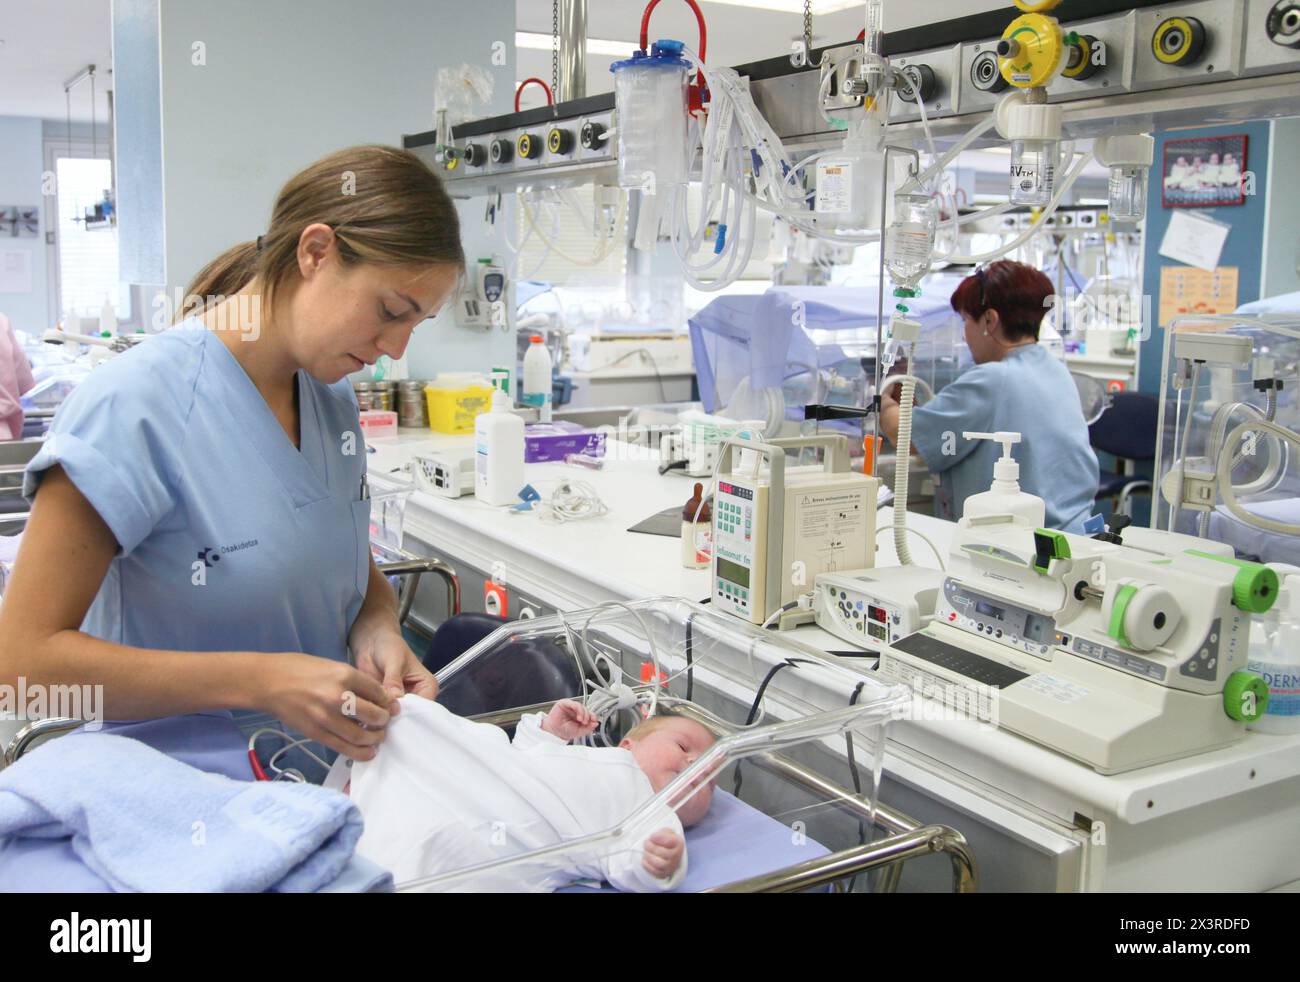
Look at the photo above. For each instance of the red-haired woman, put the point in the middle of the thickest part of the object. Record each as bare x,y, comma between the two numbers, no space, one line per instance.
1016,385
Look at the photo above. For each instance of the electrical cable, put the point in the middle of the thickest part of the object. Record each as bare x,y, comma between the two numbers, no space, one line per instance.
606,247
776,614
1008,247
573,501
260,772
856,777
758,701
647,356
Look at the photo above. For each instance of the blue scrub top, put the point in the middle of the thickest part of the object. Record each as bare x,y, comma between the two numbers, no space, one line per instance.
1029,392
230,538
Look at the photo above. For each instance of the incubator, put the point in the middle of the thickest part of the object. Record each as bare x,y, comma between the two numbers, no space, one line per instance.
768,356
776,820
1228,446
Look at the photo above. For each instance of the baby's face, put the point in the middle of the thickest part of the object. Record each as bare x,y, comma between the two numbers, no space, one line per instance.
668,750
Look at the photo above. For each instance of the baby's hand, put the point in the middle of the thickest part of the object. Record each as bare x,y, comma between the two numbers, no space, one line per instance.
569,720
663,853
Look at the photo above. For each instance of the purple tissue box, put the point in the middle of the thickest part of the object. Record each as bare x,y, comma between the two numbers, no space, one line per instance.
555,441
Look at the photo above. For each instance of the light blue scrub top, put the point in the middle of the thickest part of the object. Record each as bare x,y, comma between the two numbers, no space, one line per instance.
230,538
1029,392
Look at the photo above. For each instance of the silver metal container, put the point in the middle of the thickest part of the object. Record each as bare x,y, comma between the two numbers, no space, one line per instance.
376,395
412,408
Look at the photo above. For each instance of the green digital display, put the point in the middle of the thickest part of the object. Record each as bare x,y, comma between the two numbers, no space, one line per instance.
733,572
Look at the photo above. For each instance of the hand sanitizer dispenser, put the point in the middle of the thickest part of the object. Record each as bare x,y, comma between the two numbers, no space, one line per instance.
1004,499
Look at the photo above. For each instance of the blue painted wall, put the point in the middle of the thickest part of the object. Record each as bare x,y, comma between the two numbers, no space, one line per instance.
1244,248
22,161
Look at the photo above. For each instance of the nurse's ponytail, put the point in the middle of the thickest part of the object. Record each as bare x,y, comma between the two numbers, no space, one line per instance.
385,205
229,273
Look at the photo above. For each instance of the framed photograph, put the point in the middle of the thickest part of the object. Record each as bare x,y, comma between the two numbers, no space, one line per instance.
1205,172
19,221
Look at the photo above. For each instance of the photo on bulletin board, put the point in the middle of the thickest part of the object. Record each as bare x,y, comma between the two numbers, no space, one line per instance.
18,221
1205,172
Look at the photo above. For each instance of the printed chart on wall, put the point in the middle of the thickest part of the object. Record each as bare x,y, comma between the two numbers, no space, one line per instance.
1187,290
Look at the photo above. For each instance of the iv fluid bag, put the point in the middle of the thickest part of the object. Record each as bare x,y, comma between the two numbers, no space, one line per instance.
910,241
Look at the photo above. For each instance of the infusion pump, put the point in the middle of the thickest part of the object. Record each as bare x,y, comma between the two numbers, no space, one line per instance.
776,526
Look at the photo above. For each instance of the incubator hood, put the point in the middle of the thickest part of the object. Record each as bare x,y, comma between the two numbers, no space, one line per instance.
669,657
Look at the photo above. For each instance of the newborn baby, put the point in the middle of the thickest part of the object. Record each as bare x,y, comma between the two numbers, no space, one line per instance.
445,793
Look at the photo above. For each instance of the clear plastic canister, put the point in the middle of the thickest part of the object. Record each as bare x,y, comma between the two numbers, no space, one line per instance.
1033,171
1128,193
650,95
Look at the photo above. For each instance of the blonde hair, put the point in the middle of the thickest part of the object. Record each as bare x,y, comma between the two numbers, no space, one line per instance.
384,204
645,728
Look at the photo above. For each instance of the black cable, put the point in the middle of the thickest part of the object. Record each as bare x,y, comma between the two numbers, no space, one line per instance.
690,663
758,699
785,609
857,778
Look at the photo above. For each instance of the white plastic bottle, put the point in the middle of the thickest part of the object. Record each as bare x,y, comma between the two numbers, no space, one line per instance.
498,453
1277,659
107,318
537,390
848,179
1004,497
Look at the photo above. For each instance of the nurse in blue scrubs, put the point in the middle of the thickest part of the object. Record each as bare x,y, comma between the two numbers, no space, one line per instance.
1015,385
199,531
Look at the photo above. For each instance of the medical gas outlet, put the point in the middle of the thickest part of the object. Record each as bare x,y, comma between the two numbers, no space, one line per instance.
1031,54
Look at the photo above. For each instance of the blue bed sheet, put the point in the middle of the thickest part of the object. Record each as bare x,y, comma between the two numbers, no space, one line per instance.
733,842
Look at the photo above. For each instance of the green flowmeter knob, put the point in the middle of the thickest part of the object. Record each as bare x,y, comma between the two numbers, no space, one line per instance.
1245,696
1254,588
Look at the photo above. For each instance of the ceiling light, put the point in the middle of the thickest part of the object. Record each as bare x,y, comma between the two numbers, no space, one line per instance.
542,42
791,6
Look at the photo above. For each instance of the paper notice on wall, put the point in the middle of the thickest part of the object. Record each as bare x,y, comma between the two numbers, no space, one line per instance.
1184,290
1195,239
15,271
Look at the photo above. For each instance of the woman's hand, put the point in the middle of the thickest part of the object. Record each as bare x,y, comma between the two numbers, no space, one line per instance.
383,655
328,701
889,413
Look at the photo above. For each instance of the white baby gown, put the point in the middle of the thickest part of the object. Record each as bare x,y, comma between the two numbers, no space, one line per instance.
445,793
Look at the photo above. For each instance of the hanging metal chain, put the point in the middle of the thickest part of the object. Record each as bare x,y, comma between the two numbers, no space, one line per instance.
555,50
807,30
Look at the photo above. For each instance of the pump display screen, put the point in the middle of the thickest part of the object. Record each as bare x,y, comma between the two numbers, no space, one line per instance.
1040,629
988,610
733,572
877,614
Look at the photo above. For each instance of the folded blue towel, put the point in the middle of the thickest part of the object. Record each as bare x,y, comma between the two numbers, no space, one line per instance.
145,822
